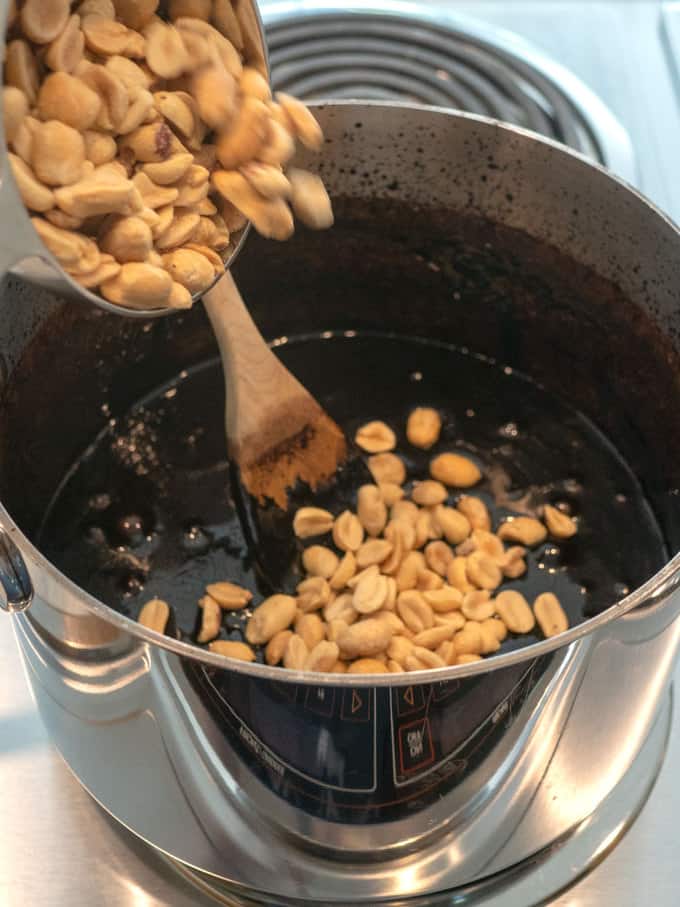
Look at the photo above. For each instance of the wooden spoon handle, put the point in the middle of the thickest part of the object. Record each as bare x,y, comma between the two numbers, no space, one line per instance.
257,384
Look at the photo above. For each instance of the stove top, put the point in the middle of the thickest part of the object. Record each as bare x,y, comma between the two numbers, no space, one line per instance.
602,77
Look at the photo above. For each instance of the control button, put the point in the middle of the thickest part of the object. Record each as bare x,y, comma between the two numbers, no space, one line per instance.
356,705
409,700
444,689
320,700
415,746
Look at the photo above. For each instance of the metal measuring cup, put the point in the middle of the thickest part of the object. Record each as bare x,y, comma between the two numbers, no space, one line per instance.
23,253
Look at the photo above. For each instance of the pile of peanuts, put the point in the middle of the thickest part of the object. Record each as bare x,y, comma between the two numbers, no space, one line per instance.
142,145
406,583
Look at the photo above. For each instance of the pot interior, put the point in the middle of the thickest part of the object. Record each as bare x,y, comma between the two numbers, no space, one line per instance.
564,388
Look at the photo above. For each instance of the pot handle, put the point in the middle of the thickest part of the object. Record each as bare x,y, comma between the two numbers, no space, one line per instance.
14,577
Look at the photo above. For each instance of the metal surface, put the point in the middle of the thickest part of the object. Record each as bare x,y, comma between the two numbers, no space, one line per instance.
397,51
97,861
23,253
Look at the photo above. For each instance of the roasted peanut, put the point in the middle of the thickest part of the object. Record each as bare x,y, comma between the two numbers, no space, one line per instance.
65,245
550,615
271,216
482,571
375,437
478,605
390,492
476,512
370,594
302,121
276,613
68,99
311,521
155,615
107,270
365,639
438,556
105,36
371,509
454,526
268,180
139,285
405,510
513,564
166,53
180,231
313,594
196,9
15,108
560,525
66,51
320,561
322,657
409,569
152,143
523,529
455,470
229,596
310,199
513,609
99,147
276,647
141,102
247,136
423,427
387,467
214,90
135,14
467,658
421,659
374,551
279,146
190,269
180,297
497,626
341,608
456,574
311,628
211,620
414,611
468,641
452,619
156,197
127,239
34,195
444,600
367,666
226,21
434,637
43,20
428,580
21,69
231,649
429,493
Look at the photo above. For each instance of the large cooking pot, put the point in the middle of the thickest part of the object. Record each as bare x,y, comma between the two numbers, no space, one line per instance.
454,229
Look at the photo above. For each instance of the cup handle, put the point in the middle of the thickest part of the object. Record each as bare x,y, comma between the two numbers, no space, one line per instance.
14,577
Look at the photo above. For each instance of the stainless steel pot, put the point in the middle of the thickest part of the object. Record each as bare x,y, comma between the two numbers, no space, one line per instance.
339,788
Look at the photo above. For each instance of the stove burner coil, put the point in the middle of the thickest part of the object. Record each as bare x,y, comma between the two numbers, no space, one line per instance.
363,55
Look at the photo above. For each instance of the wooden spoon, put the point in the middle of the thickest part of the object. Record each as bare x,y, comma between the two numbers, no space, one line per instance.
277,434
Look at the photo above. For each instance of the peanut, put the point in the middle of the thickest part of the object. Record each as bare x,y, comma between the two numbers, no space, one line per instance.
63,244
105,36
15,108
490,640
409,569
271,217
444,600
310,200
230,649
99,147
452,523
214,90
68,99
455,470
370,594
423,427
340,608
211,620
226,21
156,196
34,195
429,493
166,54
478,605
456,574
135,14
313,594
371,509
438,556
302,122
513,609
468,641
482,571
268,180
43,20
21,69
335,629
365,639
276,647
426,527
524,530
550,615
311,629
374,551
320,561
279,146
467,658
560,525
247,135
322,657
180,231
415,611
497,627
434,637
405,510
428,580
127,239
130,74
387,467
190,269
180,297
66,51
452,619
107,270
367,666
139,285
422,659
196,9
276,613
229,596
390,492
114,96
376,437
513,564
476,512
311,521
155,615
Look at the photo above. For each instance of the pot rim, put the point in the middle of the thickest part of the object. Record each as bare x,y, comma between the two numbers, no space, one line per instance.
657,586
